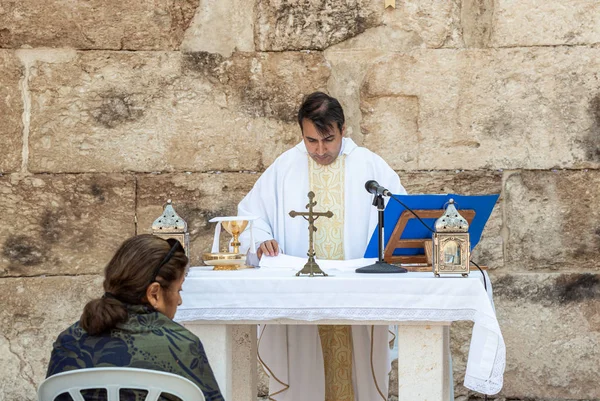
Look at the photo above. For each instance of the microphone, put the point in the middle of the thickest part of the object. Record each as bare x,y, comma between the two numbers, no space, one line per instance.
373,187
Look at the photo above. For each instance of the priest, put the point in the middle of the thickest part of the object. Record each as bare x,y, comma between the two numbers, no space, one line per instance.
308,362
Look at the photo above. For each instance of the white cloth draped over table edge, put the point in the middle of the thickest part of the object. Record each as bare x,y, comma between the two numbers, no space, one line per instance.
270,294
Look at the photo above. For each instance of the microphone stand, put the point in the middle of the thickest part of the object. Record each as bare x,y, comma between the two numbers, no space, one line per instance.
380,266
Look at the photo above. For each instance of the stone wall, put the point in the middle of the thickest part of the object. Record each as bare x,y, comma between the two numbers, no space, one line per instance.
107,108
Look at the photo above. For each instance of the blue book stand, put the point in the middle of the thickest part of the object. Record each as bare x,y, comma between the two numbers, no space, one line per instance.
405,237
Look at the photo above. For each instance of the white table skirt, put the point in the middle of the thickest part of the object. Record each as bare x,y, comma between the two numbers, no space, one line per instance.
272,295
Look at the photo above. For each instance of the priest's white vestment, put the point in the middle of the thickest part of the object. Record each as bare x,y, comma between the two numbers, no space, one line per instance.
292,355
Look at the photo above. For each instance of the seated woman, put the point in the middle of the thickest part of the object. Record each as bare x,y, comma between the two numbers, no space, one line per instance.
131,325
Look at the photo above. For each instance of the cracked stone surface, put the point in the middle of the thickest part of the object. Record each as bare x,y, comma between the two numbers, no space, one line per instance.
545,23
553,220
476,18
311,24
34,311
11,110
318,25
197,198
12,361
506,108
551,327
412,25
348,69
390,125
63,224
221,27
148,111
95,24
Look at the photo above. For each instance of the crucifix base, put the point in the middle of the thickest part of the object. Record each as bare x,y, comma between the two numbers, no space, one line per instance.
311,268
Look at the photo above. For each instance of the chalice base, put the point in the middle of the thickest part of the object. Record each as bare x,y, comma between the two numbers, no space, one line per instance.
225,261
229,267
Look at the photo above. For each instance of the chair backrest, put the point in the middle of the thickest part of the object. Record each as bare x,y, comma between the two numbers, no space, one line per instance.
113,379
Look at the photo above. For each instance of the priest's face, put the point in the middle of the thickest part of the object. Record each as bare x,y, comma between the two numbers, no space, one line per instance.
323,149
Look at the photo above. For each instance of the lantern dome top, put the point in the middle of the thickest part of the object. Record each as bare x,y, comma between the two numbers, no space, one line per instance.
169,221
451,221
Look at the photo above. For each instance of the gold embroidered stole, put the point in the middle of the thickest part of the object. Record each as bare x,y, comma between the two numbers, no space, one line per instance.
327,182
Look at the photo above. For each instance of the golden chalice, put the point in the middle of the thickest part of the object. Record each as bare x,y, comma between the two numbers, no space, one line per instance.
228,260
235,228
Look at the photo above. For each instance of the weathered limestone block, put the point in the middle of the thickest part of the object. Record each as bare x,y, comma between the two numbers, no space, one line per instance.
552,220
545,22
11,111
505,108
357,24
489,251
477,22
348,69
148,111
63,224
551,327
390,125
34,311
262,94
221,27
197,198
436,22
312,24
95,24
413,24
274,85
11,363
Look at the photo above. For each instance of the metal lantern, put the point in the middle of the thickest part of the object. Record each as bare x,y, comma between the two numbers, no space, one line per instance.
451,246
171,225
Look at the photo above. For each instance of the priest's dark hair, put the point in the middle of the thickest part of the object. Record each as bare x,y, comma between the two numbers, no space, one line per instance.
137,263
324,111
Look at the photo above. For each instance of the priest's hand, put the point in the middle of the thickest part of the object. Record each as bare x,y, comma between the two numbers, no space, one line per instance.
270,248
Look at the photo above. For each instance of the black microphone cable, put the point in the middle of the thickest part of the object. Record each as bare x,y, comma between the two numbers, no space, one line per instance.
482,275
412,211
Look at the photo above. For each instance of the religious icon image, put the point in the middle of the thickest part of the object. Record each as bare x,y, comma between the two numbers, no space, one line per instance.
452,253
229,259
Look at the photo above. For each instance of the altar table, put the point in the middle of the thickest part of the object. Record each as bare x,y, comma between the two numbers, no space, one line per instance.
223,308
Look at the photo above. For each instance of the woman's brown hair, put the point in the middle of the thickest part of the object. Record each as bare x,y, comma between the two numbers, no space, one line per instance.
139,261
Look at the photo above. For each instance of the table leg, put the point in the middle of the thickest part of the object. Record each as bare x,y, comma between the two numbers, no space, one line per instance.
231,352
423,363
244,372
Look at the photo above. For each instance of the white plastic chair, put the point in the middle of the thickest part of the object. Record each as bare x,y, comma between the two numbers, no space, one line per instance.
114,379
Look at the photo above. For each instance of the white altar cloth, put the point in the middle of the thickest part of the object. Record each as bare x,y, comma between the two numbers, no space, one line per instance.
277,295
